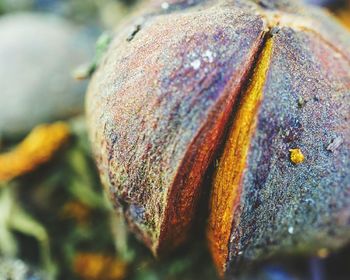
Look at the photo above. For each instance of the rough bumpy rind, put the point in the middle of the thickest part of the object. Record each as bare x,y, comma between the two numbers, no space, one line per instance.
157,109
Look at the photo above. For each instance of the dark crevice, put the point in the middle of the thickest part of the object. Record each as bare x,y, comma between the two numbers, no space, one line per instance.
263,4
137,28
244,88
200,221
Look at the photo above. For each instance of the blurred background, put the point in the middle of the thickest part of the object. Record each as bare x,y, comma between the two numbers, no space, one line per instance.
55,222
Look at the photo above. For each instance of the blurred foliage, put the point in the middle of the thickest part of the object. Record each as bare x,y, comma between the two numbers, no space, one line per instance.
16,269
86,71
57,219
340,8
37,148
104,13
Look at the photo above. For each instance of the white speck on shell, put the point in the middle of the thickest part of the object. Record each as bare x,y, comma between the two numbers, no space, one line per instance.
196,64
209,55
165,5
290,230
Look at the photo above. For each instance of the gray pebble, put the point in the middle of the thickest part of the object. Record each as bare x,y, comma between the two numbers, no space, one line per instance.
38,54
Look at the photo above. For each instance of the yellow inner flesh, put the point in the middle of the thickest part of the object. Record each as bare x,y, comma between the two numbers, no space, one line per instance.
228,173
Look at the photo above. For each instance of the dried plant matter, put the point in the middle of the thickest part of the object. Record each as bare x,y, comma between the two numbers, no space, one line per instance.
36,149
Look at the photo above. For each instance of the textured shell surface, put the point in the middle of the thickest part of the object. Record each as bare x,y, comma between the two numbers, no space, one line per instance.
163,104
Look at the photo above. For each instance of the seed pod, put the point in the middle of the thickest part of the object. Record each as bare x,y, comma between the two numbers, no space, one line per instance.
274,75
157,117
287,192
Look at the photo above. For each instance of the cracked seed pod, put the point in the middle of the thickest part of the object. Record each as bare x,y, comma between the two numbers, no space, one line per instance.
264,86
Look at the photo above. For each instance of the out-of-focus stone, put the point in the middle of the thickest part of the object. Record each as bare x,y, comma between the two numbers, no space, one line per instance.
38,54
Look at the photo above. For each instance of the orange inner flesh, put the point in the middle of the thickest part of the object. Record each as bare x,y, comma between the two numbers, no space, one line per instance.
228,173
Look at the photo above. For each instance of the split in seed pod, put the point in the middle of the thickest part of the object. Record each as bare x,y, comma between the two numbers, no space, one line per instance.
261,85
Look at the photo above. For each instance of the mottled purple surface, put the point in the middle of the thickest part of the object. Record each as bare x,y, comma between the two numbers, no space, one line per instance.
161,100
297,208
157,108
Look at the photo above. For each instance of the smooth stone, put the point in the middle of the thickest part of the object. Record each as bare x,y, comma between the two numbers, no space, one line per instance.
38,53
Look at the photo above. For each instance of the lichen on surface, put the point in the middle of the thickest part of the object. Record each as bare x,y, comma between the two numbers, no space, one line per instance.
296,156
